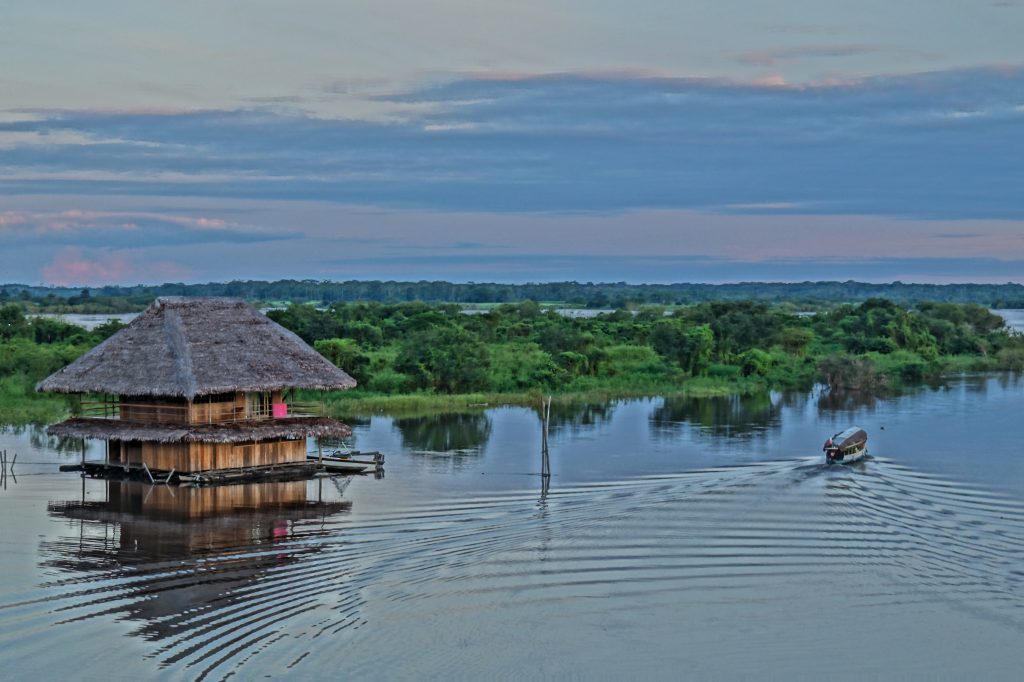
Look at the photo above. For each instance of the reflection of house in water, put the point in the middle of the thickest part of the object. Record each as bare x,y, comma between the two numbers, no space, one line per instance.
166,521
198,385
182,560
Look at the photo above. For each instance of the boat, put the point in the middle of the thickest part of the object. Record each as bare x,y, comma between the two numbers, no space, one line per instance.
349,462
847,446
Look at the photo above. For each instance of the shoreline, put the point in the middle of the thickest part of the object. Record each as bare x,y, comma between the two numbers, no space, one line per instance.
42,410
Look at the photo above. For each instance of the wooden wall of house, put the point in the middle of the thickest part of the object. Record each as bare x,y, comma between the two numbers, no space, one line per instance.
165,456
218,409
188,457
241,455
153,411
131,452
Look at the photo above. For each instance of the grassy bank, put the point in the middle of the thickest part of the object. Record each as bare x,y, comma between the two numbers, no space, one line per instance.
359,403
20,405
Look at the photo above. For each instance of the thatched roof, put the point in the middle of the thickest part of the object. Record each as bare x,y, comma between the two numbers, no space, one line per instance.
189,347
232,432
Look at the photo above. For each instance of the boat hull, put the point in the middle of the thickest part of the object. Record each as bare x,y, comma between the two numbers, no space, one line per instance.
846,457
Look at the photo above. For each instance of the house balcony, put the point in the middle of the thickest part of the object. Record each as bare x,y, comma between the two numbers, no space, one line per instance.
199,412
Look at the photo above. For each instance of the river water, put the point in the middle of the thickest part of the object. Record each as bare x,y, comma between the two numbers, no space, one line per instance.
677,538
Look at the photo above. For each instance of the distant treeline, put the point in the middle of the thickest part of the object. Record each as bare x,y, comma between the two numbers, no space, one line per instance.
110,299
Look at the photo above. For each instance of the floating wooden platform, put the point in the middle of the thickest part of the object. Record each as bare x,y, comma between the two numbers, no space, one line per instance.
352,463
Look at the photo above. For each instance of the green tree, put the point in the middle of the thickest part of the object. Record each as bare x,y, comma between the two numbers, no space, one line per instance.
521,366
691,347
445,359
795,340
345,354
755,362
12,322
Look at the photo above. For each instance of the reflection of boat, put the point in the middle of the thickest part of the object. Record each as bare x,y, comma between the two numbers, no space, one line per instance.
349,462
847,446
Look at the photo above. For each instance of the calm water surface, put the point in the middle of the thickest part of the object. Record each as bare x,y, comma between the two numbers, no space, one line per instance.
678,537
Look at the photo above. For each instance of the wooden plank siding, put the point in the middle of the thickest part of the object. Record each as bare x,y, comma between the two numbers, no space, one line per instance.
208,411
190,457
150,411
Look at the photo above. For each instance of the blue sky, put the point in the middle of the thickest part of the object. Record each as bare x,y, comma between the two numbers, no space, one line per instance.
528,141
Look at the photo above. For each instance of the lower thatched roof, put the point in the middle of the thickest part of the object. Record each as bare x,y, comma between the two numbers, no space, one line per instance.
235,432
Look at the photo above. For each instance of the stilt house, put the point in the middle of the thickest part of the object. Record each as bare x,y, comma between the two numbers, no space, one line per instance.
200,384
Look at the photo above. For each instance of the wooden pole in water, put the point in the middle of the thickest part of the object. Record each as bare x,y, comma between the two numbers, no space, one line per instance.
545,462
319,452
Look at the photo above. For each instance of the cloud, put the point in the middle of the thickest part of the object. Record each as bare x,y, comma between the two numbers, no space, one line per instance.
125,229
771,57
765,206
72,266
929,145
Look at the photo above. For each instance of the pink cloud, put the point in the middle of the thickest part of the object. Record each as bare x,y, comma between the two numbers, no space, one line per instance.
72,267
8,218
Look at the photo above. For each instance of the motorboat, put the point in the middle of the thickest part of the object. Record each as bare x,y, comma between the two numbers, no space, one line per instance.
847,446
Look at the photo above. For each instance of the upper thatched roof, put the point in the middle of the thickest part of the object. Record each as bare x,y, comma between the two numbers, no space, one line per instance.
189,347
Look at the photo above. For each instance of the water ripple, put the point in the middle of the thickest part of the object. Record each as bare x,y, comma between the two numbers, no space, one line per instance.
214,596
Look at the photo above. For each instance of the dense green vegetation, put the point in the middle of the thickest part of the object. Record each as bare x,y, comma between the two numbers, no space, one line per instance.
415,355
808,295
32,349
709,348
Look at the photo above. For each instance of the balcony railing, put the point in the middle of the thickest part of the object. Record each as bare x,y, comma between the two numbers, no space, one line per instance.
196,413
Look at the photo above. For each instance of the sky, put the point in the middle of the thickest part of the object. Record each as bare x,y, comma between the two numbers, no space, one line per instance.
478,140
